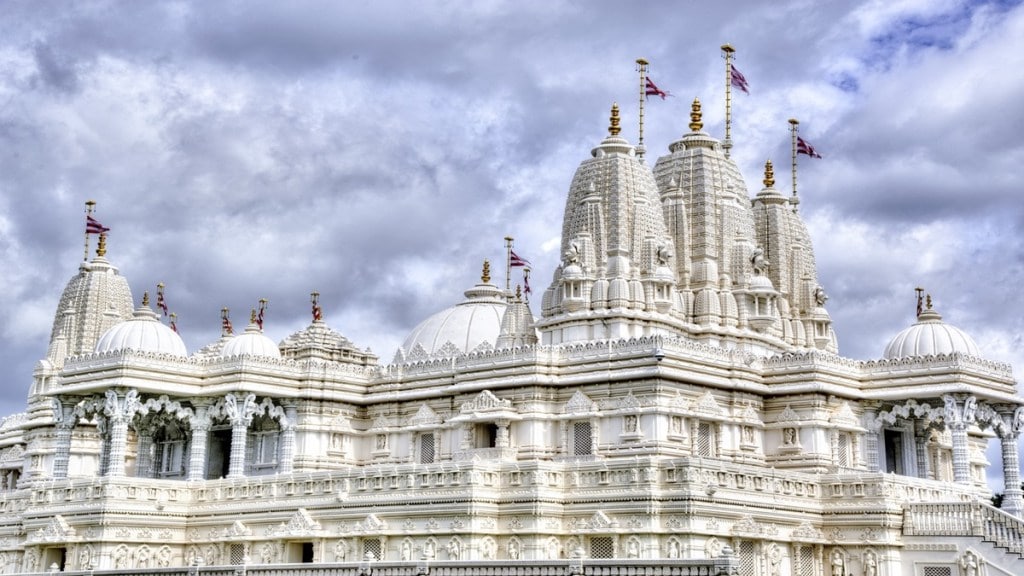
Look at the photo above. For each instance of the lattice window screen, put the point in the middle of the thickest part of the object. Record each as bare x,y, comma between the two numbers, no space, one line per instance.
748,559
426,448
844,450
236,553
602,547
581,438
372,546
806,561
705,445
937,571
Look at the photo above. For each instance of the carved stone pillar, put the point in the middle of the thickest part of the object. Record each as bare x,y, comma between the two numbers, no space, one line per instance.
200,426
64,415
288,439
240,417
502,438
119,412
1013,500
921,445
959,415
144,459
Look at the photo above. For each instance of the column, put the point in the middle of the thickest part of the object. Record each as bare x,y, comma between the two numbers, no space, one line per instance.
200,426
502,437
961,455
240,418
65,417
921,444
288,439
119,412
1013,501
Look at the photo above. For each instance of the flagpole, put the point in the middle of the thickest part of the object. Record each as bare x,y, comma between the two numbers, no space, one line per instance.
793,123
90,205
727,144
642,67
508,265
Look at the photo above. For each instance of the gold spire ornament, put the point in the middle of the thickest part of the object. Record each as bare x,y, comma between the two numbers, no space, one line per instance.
769,174
485,276
613,128
101,247
695,116
145,298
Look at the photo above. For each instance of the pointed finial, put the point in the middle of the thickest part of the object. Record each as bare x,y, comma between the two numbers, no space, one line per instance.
613,128
928,302
769,174
695,116
101,248
252,316
485,276
145,298
519,293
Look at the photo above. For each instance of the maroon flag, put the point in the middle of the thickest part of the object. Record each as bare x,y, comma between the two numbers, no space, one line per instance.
160,302
225,323
259,316
174,323
526,282
737,79
653,90
93,226
515,260
802,147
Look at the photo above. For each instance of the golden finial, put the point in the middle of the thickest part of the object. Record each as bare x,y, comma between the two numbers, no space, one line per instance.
928,301
769,174
728,49
101,248
613,129
695,116
519,293
486,276
252,316
145,298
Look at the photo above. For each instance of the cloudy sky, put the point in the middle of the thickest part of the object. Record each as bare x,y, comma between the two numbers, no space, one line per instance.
379,151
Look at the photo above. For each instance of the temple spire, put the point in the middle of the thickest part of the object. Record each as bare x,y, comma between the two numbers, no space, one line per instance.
696,122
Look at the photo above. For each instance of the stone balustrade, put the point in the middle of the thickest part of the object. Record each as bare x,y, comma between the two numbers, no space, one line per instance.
965,518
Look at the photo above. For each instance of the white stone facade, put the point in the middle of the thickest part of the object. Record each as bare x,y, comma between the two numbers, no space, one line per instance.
679,396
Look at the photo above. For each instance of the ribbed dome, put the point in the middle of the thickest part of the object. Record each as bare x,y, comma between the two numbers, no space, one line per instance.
252,342
930,336
143,333
466,325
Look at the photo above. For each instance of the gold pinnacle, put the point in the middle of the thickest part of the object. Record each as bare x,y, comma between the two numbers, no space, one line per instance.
101,248
769,175
695,116
252,316
485,277
613,129
145,298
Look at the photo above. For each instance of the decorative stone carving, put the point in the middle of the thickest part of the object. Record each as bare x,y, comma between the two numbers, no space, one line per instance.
580,403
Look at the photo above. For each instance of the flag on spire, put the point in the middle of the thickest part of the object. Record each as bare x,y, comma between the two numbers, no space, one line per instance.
259,316
514,260
160,302
653,90
93,226
802,147
174,322
737,79
226,328
526,281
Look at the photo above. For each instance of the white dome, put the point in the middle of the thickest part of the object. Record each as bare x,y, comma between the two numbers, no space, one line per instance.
466,325
252,342
143,333
930,336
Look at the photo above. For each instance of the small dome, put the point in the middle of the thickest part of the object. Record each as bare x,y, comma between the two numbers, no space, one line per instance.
930,336
145,333
761,284
252,342
466,325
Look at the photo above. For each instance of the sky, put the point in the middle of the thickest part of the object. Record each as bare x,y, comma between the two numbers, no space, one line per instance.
378,152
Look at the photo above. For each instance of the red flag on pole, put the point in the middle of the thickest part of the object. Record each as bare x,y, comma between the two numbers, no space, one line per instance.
737,79
653,90
93,226
515,260
802,147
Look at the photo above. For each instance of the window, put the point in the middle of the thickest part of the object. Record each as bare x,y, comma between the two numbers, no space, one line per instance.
806,565
170,458
264,448
936,571
706,443
602,547
843,450
582,439
486,435
427,448
372,546
236,553
894,451
748,558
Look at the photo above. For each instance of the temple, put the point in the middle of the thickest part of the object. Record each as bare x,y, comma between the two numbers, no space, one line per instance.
678,400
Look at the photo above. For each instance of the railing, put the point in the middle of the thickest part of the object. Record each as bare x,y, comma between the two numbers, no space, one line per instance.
965,518
721,566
